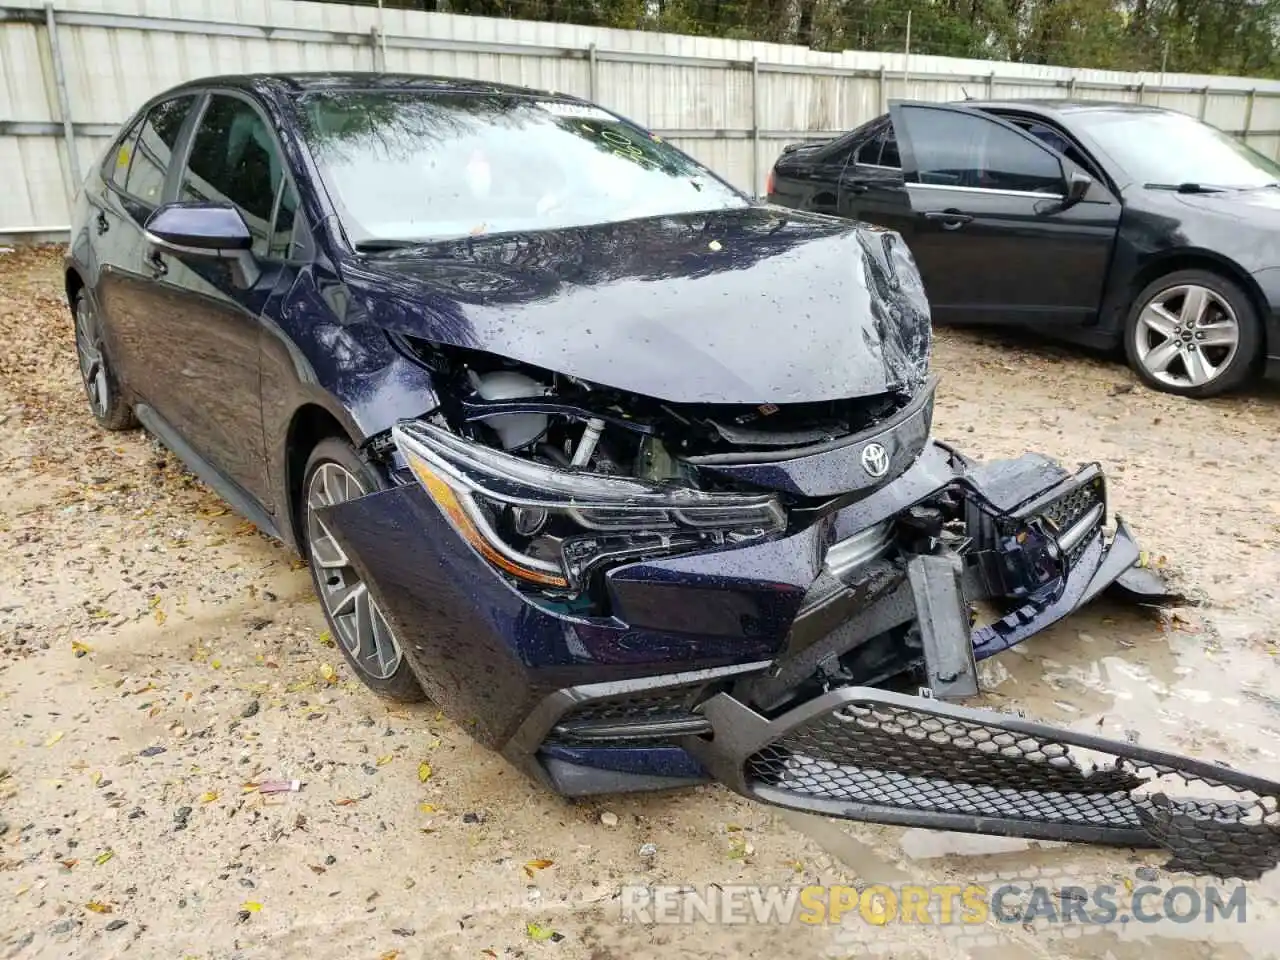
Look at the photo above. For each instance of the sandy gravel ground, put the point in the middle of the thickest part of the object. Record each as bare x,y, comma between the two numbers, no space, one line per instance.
158,657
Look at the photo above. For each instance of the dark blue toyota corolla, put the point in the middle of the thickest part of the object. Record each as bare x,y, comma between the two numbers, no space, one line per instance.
629,473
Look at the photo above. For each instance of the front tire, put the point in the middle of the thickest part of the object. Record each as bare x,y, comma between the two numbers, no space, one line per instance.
1193,333
106,400
334,473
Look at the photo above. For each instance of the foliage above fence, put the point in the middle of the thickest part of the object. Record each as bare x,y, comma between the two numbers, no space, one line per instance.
1232,37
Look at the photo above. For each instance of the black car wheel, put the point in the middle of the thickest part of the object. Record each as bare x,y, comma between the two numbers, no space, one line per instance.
1194,333
107,401
335,473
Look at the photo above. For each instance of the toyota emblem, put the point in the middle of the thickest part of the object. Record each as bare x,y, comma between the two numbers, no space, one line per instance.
875,460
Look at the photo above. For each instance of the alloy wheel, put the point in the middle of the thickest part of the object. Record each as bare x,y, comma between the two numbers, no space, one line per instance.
362,629
1186,336
93,365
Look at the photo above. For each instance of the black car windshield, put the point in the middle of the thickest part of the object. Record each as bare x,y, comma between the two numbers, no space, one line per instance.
1170,149
422,166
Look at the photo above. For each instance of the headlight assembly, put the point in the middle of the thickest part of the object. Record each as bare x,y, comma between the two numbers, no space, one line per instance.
550,527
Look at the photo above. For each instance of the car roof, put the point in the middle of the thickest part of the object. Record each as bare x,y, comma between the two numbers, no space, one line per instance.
1050,106
294,84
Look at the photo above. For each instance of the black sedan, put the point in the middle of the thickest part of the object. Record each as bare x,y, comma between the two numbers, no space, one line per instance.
1103,223
630,474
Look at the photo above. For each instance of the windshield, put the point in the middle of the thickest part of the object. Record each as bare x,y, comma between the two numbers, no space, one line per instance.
1173,148
421,166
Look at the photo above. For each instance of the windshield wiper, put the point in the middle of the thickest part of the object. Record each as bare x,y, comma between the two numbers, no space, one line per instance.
1185,187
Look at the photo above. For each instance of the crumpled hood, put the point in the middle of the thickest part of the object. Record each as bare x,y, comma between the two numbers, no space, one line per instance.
753,305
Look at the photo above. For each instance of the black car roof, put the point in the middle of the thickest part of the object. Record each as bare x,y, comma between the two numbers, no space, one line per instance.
1051,106
299,83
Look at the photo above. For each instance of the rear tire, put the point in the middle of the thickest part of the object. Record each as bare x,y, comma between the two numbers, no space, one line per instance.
1193,333
335,472
107,400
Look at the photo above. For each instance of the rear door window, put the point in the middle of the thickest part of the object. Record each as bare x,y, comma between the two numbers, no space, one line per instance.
116,168
234,159
153,149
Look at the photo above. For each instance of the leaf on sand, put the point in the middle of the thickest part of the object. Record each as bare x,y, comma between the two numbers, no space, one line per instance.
427,807
160,616
103,857
316,868
97,906
533,866
326,639
424,771
80,649
54,738
69,864
96,777
389,955
252,906
330,675
385,759
489,953
537,932
346,801
209,796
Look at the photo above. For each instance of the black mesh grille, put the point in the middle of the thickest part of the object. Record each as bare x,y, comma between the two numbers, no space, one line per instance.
921,760
656,705
633,710
1064,512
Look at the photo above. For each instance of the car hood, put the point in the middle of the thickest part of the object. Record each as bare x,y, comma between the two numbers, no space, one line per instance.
1258,208
750,305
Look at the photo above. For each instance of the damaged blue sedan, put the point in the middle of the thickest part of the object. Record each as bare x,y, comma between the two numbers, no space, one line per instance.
628,473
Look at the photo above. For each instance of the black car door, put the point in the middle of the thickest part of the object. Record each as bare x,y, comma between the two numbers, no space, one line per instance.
135,178
992,231
210,314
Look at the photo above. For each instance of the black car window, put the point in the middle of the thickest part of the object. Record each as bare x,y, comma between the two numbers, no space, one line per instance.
1058,140
869,152
282,228
965,150
234,159
154,148
116,167
889,152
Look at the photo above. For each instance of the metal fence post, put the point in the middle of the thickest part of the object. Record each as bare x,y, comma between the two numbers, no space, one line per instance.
991,85
1248,113
373,51
755,126
1204,102
593,66
1142,91
884,91
72,179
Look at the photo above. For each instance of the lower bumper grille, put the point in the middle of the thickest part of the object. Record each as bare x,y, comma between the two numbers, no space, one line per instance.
873,755
637,718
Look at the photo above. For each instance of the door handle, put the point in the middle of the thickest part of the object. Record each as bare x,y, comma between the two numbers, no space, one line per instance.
158,267
857,186
103,223
950,219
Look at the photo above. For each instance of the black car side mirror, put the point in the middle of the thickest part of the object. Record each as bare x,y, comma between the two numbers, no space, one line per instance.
1078,184
205,230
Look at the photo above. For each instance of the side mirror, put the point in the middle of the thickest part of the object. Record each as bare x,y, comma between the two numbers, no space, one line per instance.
205,230
1078,184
